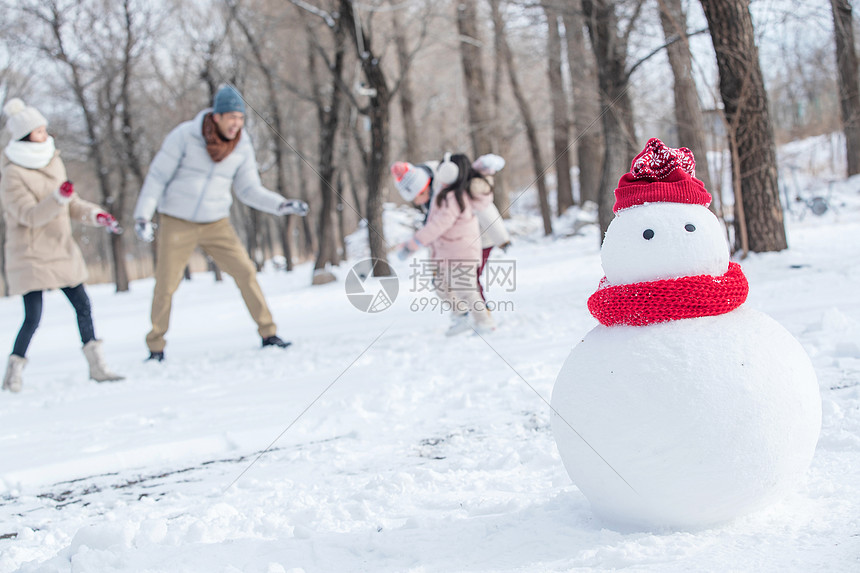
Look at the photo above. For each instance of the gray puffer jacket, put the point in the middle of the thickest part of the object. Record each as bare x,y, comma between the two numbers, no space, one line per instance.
185,183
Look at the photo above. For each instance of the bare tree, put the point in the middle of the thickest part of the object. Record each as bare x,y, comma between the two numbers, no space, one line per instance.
473,73
483,118
588,130
379,112
85,78
414,151
344,178
328,107
501,197
759,221
849,86
310,242
688,112
128,160
560,122
619,133
379,94
531,130
273,120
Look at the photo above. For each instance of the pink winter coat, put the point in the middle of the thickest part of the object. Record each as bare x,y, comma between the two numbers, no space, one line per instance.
451,233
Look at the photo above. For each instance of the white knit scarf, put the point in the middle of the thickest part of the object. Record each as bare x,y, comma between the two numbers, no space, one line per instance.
29,154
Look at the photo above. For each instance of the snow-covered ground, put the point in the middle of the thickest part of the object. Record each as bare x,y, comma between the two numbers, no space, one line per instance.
375,443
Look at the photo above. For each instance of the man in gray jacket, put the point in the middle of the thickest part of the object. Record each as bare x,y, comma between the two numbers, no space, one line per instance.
189,183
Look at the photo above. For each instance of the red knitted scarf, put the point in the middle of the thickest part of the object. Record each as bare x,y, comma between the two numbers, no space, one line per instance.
650,302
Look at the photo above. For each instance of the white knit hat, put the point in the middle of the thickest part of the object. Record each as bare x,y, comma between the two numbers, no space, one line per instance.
22,119
409,179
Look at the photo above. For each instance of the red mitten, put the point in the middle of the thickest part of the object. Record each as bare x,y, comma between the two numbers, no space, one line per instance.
109,221
67,188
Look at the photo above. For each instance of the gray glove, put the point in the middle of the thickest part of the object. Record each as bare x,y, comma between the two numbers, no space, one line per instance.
293,207
145,230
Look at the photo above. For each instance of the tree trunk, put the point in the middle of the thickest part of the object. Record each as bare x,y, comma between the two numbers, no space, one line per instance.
252,238
129,155
688,112
378,111
120,273
379,132
328,110
849,86
473,73
560,123
619,134
751,132
587,127
414,152
309,243
117,245
344,173
273,121
118,254
341,221
531,133
285,233
501,196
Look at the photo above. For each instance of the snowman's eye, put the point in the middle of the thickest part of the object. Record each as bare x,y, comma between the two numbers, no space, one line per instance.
690,227
648,234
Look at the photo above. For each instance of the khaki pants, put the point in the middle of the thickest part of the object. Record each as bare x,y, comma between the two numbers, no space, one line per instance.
177,239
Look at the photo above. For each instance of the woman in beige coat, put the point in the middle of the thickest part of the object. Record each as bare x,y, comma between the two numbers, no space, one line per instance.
39,205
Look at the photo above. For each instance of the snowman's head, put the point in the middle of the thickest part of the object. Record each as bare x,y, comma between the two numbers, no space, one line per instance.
662,227
663,240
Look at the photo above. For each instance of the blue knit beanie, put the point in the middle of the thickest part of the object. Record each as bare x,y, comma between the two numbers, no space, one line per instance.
228,99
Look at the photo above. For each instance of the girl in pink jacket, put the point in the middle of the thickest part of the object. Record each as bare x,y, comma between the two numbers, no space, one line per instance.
452,234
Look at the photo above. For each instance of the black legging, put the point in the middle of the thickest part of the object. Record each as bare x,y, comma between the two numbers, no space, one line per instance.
33,315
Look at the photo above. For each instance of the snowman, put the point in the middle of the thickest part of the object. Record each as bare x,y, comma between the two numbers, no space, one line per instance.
683,408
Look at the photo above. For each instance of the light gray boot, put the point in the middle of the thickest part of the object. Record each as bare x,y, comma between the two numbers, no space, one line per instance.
459,323
12,379
98,369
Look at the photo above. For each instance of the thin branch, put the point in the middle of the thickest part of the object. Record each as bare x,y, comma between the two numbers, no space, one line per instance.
674,39
411,57
332,23
327,18
626,36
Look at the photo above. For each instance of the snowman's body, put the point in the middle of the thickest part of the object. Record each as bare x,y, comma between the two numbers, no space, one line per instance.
683,423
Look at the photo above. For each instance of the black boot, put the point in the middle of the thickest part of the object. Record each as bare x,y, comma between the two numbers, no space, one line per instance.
275,340
155,356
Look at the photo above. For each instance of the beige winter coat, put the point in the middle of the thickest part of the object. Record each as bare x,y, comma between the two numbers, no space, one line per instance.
40,251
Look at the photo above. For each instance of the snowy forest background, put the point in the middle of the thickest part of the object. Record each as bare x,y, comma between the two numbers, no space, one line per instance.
338,90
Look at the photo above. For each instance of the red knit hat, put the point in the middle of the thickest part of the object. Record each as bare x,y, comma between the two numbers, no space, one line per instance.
661,174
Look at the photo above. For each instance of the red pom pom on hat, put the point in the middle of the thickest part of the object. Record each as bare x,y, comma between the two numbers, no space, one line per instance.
409,180
661,174
399,169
